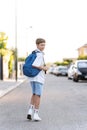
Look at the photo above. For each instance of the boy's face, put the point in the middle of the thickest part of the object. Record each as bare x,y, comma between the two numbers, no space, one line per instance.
41,46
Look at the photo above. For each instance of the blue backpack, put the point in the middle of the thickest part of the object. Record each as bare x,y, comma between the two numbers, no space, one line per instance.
28,69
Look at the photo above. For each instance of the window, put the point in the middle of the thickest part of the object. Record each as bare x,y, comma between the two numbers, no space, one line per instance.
82,64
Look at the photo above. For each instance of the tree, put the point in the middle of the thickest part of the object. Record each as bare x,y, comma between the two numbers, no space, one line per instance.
82,57
3,44
3,40
3,51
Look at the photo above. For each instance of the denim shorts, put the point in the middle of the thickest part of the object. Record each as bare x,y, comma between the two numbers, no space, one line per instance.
37,88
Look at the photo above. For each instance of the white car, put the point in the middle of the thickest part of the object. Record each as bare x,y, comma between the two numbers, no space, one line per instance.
70,71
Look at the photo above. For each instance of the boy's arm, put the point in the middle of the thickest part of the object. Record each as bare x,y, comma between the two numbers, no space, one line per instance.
44,68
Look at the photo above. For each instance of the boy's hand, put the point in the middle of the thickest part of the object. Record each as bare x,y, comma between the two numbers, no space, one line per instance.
45,68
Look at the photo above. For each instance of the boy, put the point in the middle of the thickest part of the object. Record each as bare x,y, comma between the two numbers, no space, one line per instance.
37,82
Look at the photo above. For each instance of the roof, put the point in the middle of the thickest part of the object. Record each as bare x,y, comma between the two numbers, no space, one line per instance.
85,45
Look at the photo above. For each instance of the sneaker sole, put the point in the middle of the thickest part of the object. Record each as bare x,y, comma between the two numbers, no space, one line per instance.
29,117
36,120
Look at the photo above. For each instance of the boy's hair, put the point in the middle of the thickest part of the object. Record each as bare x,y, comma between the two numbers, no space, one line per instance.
40,40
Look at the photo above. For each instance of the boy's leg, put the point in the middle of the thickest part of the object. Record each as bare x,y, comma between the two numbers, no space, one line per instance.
37,101
30,112
34,106
31,106
36,110
38,92
32,99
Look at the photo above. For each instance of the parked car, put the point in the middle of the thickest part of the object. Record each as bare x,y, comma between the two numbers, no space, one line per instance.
50,70
55,70
70,71
61,70
80,70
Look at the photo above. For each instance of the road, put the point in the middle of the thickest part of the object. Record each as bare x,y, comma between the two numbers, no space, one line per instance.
63,106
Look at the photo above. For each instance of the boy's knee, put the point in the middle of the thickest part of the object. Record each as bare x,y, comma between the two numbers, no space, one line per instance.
38,95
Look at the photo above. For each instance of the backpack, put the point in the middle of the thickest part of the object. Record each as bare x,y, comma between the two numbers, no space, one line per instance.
28,69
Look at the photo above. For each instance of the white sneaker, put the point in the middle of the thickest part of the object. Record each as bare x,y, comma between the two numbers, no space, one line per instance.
29,115
36,117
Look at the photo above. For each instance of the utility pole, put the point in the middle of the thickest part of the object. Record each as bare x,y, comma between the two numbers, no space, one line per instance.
16,55
1,67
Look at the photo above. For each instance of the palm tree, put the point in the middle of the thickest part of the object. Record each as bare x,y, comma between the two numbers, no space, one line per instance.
3,40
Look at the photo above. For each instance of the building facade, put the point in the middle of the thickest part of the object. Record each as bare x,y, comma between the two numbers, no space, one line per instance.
82,51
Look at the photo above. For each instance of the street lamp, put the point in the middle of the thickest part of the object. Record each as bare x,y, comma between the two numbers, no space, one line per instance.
16,57
1,68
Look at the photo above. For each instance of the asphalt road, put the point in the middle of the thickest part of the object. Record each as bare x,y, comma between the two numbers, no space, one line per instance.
63,106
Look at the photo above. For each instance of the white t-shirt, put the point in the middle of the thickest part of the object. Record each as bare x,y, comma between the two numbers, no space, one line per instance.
39,61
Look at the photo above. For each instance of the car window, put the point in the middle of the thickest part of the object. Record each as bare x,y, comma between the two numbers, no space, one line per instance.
82,64
62,68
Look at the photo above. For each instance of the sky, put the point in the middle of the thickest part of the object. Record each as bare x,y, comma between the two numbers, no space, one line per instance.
62,23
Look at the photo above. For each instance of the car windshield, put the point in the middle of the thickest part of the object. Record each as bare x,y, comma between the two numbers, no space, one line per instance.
82,64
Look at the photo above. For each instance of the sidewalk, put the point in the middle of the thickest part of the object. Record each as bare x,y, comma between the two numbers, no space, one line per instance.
8,85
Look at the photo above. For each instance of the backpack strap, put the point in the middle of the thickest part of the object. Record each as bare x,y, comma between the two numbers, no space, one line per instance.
35,51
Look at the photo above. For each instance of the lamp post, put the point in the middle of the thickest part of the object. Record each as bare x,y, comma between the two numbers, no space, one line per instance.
16,57
1,68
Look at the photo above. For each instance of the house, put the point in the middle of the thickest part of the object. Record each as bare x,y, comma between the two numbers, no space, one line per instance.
82,51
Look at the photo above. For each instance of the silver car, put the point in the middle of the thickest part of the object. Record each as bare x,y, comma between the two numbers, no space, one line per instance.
61,71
